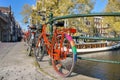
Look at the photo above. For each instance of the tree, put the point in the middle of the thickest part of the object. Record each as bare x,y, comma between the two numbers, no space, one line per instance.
114,22
26,12
60,8
83,6
63,7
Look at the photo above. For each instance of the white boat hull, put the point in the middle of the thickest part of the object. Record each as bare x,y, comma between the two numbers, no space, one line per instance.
97,49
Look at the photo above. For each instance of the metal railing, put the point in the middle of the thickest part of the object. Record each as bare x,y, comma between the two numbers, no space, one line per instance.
52,19
84,15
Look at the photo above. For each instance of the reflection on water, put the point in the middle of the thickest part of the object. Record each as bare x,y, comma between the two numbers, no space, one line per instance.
103,71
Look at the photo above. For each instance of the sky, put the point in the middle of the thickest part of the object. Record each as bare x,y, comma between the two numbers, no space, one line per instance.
100,5
17,5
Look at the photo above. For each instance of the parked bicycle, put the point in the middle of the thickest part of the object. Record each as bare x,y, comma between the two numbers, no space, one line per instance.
60,47
31,41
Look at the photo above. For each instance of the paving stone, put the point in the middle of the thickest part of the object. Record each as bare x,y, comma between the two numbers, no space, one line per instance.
16,65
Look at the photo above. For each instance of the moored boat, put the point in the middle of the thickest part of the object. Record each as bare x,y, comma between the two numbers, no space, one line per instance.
96,46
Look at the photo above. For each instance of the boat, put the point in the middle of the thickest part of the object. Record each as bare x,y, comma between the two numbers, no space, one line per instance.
96,47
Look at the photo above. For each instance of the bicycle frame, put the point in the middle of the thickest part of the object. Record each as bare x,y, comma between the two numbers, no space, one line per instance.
49,45
55,46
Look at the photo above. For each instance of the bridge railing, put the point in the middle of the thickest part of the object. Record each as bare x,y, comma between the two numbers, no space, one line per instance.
52,19
84,15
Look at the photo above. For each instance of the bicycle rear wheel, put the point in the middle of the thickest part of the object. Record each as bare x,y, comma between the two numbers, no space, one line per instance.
29,50
40,51
31,47
67,56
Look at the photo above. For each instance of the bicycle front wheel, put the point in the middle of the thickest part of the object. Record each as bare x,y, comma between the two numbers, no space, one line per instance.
66,59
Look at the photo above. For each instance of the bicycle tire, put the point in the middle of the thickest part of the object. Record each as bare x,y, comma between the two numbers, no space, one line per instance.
29,51
68,66
40,51
30,47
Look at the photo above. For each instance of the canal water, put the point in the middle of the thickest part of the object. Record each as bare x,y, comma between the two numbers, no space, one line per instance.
102,71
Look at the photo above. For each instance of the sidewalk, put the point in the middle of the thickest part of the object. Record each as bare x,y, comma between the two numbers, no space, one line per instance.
48,70
16,65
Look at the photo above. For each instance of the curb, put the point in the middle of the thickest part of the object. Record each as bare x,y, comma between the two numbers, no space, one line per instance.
40,70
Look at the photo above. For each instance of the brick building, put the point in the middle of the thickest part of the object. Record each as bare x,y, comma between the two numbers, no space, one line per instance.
8,25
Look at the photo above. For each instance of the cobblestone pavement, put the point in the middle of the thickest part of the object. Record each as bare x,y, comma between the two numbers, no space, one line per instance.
16,65
48,70
5,48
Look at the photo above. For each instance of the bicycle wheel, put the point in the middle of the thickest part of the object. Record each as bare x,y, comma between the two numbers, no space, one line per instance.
30,48
67,57
40,51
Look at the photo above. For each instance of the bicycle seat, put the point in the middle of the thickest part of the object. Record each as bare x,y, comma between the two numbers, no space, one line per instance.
33,27
59,23
72,30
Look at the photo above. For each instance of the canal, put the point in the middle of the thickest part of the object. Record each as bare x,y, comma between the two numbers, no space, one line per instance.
102,71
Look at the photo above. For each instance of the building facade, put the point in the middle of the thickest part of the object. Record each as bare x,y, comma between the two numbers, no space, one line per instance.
8,25
4,25
101,29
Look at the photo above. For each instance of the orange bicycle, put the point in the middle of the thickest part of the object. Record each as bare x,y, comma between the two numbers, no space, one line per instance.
60,47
